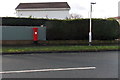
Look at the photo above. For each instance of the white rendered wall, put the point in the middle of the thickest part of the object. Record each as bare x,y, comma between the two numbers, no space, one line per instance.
118,12
119,8
44,14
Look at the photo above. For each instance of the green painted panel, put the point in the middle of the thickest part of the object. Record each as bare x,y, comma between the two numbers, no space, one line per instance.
22,33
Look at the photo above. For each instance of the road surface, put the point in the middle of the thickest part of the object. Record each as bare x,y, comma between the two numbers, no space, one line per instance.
61,65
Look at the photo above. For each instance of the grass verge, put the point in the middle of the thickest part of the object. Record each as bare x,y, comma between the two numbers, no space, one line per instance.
56,48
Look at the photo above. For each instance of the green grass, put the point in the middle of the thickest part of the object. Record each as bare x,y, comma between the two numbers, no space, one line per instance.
57,48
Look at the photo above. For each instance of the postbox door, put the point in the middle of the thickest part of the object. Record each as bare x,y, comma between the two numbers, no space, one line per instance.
35,34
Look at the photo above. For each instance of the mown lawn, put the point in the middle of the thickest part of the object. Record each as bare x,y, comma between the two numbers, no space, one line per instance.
57,48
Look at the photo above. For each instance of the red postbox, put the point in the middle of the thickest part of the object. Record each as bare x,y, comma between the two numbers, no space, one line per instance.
35,34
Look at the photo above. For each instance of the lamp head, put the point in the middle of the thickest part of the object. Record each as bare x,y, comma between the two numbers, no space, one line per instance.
93,2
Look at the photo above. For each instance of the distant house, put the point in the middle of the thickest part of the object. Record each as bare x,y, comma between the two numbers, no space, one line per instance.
118,18
58,10
119,8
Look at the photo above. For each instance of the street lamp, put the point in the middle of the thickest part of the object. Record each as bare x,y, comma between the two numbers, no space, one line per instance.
90,32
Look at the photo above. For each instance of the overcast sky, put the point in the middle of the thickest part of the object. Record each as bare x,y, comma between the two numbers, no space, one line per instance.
102,8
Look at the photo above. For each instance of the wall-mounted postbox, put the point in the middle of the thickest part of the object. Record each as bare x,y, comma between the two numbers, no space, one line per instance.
35,34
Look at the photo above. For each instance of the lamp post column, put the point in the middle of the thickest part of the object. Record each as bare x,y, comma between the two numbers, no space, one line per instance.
90,30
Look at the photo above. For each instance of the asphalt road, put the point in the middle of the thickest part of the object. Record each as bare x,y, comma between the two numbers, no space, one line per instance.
103,64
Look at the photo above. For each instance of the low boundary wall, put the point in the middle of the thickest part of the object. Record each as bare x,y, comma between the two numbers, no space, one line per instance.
18,35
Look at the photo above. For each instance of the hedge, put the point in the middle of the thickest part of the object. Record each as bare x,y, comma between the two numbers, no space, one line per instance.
78,29
75,29
13,21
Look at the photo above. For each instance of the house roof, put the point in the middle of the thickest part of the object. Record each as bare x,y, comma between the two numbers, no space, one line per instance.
117,17
43,5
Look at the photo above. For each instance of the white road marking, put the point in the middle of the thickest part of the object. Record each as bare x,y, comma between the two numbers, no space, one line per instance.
48,70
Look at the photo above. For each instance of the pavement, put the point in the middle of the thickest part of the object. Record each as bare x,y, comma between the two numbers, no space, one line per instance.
68,65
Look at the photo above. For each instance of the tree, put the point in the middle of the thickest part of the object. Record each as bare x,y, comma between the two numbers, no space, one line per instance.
74,16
